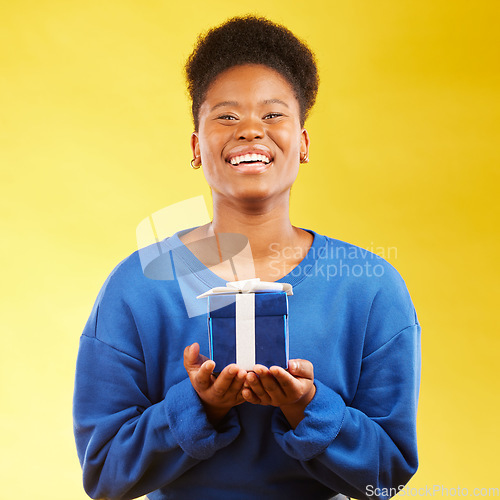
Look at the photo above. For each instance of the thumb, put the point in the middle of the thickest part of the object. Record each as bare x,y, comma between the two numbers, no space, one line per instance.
191,354
301,368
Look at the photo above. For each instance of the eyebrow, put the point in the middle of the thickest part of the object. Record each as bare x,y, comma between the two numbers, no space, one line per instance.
275,101
236,103
225,103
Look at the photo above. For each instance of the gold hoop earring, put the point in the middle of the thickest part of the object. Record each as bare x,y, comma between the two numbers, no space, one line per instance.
305,158
193,166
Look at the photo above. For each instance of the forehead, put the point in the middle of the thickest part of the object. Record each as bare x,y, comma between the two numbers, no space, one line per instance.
249,83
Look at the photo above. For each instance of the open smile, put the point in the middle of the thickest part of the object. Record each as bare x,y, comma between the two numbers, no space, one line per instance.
250,160
251,167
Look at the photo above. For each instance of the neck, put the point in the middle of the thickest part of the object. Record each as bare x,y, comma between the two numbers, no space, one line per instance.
271,246
263,225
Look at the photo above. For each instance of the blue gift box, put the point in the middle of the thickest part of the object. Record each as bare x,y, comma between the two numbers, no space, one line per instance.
248,329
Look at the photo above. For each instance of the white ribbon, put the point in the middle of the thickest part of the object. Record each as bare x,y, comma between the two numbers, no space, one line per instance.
248,286
245,330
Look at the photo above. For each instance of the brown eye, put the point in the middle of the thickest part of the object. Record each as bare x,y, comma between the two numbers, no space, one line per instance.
272,115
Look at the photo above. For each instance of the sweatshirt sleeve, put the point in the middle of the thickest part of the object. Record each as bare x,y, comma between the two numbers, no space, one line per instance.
129,445
367,446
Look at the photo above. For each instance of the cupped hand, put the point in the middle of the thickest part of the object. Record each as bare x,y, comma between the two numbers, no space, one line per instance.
218,394
290,390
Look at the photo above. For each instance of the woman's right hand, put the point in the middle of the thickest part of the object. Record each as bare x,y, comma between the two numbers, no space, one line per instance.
220,394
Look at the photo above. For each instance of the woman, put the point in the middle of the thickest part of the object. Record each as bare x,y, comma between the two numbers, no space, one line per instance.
150,416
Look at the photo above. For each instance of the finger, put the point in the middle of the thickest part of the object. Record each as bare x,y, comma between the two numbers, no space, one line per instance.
250,396
286,381
203,377
225,379
236,387
253,383
301,368
237,383
269,383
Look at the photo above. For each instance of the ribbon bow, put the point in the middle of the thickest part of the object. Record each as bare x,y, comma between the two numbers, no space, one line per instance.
248,286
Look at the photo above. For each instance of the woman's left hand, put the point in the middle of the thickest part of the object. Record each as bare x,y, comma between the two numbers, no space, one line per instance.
291,390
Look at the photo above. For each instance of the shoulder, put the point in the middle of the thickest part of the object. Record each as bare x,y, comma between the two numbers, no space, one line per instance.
353,262
124,281
139,274
366,282
129,298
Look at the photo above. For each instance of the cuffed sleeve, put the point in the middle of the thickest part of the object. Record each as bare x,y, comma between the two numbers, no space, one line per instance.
322,421
189,424
370,444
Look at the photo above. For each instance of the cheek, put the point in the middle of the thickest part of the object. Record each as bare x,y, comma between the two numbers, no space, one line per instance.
211,145
288,140
210,149
207,156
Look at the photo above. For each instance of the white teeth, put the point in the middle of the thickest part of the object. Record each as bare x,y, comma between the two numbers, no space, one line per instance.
249,157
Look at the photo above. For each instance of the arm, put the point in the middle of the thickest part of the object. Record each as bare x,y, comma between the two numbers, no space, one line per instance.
129,445
368,443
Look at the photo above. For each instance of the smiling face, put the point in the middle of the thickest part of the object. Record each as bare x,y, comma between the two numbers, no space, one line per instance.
249,139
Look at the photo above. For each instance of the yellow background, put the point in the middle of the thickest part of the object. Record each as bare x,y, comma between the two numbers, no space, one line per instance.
94,137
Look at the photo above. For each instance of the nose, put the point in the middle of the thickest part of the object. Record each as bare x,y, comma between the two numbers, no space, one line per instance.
250,128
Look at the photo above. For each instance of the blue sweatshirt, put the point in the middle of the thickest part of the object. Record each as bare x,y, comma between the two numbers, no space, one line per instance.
140,427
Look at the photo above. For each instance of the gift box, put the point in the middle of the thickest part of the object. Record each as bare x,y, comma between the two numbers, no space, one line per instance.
248,323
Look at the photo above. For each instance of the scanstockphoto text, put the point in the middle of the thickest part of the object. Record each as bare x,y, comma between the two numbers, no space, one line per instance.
432,490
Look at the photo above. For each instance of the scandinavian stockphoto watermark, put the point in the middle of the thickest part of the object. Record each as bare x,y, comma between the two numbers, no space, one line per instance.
335,259
431,491
338,251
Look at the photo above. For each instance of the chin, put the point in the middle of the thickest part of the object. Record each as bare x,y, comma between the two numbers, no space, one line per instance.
255,194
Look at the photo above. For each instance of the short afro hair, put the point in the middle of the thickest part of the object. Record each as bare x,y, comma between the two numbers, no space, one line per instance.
252,40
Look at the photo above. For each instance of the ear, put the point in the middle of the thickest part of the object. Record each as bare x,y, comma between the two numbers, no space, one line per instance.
195,148
304,143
